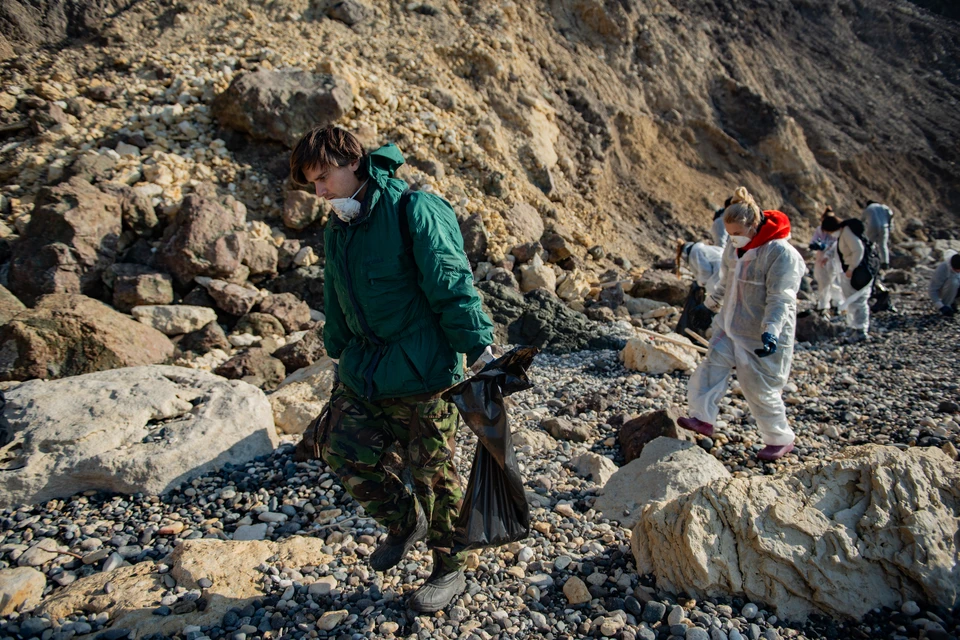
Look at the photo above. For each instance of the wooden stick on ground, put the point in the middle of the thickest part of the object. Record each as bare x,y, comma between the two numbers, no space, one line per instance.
697,337
659,336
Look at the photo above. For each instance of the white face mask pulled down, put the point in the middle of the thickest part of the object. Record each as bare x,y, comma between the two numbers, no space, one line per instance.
740,241
347,208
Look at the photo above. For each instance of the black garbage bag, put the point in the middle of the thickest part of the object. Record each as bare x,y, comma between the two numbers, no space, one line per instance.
695,315
495,509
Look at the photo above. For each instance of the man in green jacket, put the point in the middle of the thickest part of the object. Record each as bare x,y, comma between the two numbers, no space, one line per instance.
401,309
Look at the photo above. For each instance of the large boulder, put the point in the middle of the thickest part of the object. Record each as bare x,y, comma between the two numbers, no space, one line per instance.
871,528
541,319
297,354
136,210
812,327
145,287
635,434
300,209
524,223
231,566
68,335
282,104
206,240
301,396
662,286
658,356
135,430
70,239
293,313
667,468
10,306
536,275
231,297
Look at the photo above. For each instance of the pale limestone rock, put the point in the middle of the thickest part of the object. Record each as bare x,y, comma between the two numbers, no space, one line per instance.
657,356
91,432
574,287
20,588
595,466
873,527
174,319
301,396
536,275
231,566
666,468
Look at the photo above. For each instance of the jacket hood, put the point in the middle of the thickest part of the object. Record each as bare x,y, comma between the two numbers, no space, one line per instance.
776,226
382,164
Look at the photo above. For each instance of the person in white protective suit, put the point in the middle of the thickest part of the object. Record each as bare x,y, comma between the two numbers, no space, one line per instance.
825,267
856,274
703,260
878,225
753,331
944,285
717,230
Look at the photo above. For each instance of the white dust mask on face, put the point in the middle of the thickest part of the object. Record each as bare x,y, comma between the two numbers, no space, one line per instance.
740,241
347,208
835,234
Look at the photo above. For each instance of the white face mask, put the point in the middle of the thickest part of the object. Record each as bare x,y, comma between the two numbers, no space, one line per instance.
835,234
347,208
740,241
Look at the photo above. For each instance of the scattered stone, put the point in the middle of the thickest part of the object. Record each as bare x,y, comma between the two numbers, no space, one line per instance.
636,433
20,588
173,320
563,429
650,355
576,591
292,312
254,366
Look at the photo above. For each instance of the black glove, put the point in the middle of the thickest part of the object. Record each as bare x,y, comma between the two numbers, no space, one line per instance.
769,345
701,317
817,246
885,266
947,310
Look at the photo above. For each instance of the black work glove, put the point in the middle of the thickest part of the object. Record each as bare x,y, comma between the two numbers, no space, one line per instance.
947,310
817,246
769,345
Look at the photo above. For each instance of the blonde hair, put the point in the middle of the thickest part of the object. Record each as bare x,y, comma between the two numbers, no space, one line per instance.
743,209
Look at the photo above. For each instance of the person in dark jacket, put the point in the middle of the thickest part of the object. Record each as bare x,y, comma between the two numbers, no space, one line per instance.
401,313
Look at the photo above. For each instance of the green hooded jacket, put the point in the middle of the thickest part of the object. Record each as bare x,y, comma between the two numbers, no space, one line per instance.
400,311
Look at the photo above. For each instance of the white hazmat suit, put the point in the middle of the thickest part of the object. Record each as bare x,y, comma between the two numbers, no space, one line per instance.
704,261
759,293
826,271
856,302
944,284
719,233
877,227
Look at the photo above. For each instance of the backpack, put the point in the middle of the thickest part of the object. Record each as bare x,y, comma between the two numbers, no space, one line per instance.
869,267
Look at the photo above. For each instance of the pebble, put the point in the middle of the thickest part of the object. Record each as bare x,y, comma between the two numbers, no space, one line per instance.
676,615
909,608
749,611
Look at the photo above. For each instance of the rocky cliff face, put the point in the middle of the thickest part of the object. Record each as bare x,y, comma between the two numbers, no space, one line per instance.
623,123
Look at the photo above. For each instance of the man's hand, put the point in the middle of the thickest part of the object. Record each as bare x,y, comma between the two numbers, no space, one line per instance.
485,358
769,345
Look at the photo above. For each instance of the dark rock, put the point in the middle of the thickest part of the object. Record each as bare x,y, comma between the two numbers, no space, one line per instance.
293,313
198,297
635,434
661,286
443,99
131,291
10,306
303,352
136,210
525,252
600,313
260,324
206,339
205,240
70,240
474,238
898,276
349,12
811,327
255,366
540,319
904,261
948,406
69,335
559,247
306,282
612,296
597,252
563,429
282,105
92,167
261,256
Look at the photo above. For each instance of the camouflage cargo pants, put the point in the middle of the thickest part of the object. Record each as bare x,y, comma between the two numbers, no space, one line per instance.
424,429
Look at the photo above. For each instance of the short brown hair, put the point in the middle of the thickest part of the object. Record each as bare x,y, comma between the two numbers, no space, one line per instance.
322,147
